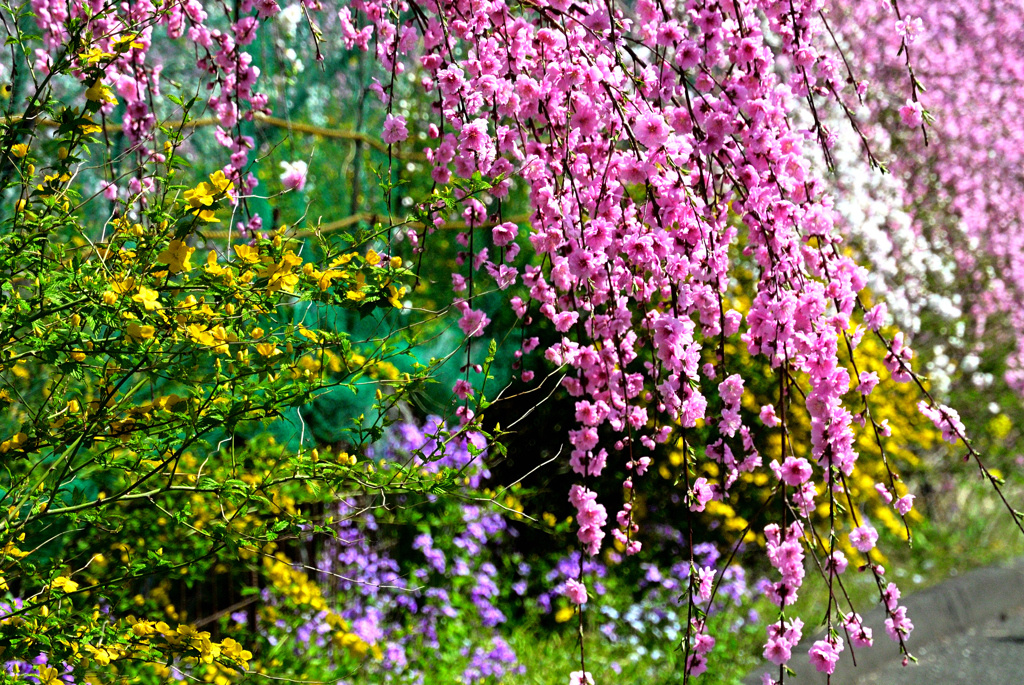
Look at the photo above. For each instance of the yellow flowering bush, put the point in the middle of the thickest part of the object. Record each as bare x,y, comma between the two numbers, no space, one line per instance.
140,361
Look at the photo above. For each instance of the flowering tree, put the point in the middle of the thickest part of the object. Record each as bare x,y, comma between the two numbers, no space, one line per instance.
682,226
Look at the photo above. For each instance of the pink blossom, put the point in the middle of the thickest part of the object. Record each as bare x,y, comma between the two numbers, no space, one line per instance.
868,381
860,635
945,419
838,561
778,650
891,596
909,28
473,321
462,388
731,389
701,494
905,504
518,306
875,318
794,471
911,114
576,591
863,538
825,655
564,320
581,678
293,175
898,625
504,233
394,129
696,664
651,130
590,516
768,417
705,583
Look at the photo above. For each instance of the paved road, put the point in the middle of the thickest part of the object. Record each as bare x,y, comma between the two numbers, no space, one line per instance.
968,631
989,654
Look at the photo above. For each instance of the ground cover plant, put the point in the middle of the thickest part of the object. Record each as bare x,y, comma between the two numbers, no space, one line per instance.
495,341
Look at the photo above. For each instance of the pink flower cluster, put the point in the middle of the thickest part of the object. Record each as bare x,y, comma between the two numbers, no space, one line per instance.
897,625
648,172
782,638
644,174
590,516
825,654
786,554
125,31
945,419
700,644
576,591
960,181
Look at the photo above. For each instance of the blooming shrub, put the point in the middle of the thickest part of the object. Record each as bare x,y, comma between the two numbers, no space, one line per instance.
667,152
420,585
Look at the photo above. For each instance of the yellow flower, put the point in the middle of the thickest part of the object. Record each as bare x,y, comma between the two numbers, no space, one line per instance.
98,92
355,295
94,55
342,260
100,655
148,298
323,278
351,642
212,267
126,42
200,196
177,256
247,253
201,335
143,628
205,194
137,332
89,126
17,440
267,349
19,150
123,286
372,258
64,583
221,182
396,294
396,262
188,631
234,651
279,275
49,676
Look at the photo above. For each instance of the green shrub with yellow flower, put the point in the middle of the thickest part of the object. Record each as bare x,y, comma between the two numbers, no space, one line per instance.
141,364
